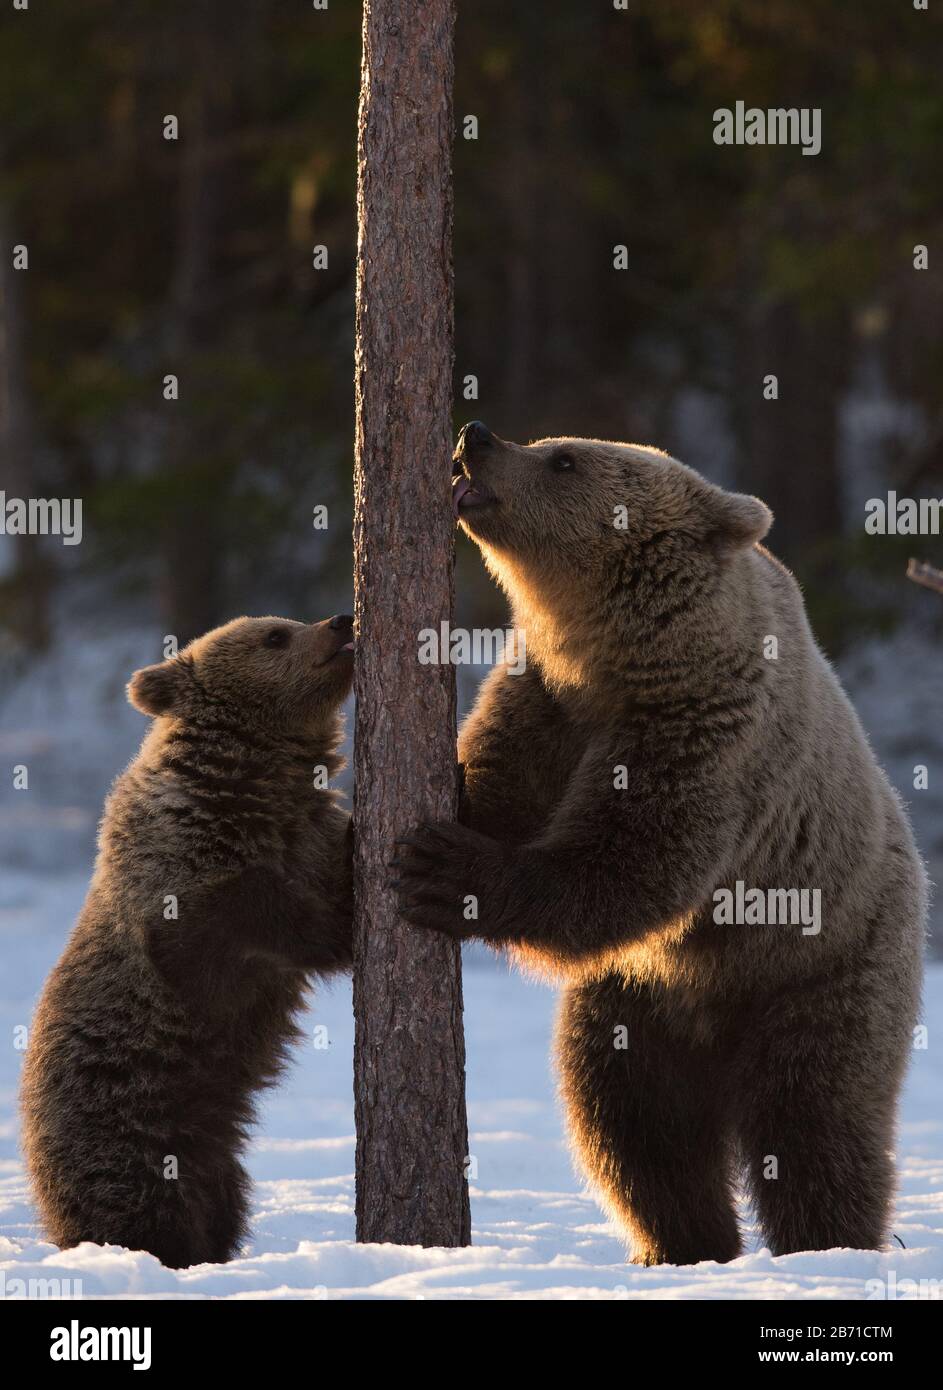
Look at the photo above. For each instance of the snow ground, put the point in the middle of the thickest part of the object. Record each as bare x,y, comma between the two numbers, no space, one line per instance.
536,1234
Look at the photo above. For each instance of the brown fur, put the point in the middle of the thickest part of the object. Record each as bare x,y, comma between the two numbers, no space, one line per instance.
645,649
152,1036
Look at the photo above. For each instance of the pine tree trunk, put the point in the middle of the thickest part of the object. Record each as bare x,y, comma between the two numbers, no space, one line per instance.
409,1065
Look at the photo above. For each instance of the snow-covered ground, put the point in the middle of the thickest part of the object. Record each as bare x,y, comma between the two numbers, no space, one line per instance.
536,1233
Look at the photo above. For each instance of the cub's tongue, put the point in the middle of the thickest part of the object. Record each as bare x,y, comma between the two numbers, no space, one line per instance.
459,489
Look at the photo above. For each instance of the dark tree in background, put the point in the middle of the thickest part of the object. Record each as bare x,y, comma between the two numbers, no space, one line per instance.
409,1063
31,576
194,257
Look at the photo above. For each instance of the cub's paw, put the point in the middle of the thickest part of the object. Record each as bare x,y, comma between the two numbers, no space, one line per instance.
447,879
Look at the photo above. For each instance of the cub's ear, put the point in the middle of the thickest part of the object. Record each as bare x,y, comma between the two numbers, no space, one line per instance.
736,520
156,689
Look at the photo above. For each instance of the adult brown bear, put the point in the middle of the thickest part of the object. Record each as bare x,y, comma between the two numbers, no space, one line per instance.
677,733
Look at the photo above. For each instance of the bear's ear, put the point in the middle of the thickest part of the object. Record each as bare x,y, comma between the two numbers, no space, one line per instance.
155,689
735,520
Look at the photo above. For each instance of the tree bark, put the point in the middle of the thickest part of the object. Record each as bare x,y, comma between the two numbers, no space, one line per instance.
409,1062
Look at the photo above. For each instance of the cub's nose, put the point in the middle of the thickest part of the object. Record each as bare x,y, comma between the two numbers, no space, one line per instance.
341,622
476,432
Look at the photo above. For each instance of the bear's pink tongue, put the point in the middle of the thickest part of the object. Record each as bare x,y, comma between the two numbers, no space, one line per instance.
459,489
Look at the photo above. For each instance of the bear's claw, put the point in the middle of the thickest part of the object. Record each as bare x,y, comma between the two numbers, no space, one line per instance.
438,867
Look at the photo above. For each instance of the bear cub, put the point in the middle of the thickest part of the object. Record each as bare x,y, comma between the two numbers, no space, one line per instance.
222,883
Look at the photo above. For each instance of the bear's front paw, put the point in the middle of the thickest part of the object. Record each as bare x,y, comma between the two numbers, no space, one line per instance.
447,879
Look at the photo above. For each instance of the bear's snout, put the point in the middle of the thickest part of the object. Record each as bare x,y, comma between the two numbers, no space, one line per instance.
473,437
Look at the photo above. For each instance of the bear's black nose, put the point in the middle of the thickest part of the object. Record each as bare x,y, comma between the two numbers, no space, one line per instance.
341,621
476,432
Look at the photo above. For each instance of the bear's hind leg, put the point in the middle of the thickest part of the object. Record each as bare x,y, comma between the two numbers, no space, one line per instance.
818,1097
647,1120
228,1217
197,1218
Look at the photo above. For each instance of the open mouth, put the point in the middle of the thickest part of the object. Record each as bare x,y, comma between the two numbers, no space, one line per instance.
345,650
466,495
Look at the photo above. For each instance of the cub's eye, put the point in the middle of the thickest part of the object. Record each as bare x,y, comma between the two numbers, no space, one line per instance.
277,637
562,463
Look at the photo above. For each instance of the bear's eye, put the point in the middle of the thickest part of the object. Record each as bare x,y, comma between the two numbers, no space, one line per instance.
562,463
277,637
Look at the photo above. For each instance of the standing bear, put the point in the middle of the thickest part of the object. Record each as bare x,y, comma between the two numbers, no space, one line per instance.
222,882
676,744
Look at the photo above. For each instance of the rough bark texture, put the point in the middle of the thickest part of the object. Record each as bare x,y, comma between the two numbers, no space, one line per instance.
409,1063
